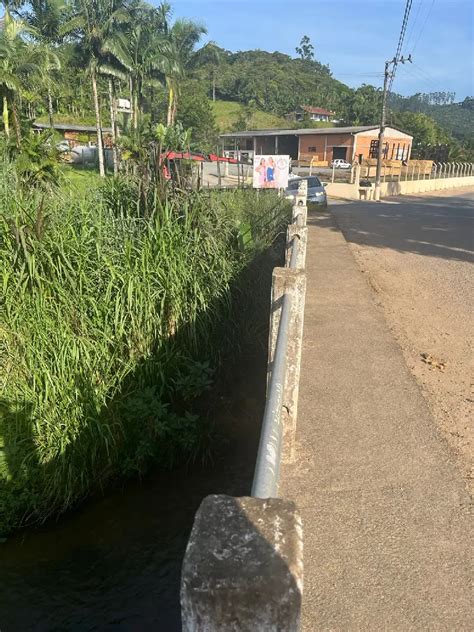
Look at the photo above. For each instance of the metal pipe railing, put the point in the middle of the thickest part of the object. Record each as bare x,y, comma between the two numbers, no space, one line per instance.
267,468
269,456
294,251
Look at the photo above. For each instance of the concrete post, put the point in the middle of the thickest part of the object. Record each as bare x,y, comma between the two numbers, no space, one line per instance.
243,567
292,282
300,210
300,213
302,235
358,169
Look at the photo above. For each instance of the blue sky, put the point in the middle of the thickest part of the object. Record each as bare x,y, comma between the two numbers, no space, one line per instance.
354,37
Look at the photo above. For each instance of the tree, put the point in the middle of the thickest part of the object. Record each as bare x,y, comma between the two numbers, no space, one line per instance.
363,106
195,113
96,24
177,51
18,63
146,33
44,17
210,56
305,50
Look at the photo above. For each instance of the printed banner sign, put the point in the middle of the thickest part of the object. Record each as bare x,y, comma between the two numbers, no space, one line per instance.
270,172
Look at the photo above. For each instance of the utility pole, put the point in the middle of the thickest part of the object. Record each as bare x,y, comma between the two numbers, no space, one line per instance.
387,76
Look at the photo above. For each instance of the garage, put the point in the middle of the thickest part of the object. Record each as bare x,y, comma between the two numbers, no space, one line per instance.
339,152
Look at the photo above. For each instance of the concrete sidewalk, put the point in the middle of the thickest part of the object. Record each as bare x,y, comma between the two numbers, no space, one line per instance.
387,530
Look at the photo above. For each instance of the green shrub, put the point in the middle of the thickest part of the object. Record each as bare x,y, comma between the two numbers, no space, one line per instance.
111,326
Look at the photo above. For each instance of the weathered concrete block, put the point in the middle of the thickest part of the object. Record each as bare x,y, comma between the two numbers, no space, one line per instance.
293,282
302,233
243,568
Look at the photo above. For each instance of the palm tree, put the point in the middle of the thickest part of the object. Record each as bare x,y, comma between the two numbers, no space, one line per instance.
210,55
19,59
45,17
144,58
178,53
97,24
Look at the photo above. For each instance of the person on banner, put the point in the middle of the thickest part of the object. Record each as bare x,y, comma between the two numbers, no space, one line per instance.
271,173
262,173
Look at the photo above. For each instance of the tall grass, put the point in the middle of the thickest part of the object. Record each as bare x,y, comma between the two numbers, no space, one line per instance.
111,325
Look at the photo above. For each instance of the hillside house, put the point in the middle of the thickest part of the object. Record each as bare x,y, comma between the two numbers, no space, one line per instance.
313,114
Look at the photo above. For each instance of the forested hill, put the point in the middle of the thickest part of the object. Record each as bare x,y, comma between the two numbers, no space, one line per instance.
456,118
272,81
275,84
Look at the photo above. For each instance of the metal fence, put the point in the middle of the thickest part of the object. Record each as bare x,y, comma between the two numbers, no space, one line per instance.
417,171
285,340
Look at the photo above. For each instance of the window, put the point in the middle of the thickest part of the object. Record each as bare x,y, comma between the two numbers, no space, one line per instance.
312,183
374,148
311,148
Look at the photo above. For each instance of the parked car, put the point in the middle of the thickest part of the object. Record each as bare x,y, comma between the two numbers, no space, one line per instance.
339,163
316,192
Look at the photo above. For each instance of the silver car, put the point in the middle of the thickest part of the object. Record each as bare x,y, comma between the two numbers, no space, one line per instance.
316,192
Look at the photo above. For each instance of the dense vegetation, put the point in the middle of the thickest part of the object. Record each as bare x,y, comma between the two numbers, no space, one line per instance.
112,325
119,294
69,60
454,118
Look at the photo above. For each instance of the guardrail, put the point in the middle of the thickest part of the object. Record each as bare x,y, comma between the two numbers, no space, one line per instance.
286,333
243,567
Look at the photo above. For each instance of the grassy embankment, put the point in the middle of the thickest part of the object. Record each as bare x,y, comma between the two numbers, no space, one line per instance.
112,325
228,113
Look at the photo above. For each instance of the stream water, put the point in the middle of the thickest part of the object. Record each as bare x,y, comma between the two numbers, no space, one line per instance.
116,560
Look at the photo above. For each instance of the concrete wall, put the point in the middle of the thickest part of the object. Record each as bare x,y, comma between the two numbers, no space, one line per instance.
351,191
421,186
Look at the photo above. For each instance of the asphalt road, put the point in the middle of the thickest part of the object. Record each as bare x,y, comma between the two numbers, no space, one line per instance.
387,522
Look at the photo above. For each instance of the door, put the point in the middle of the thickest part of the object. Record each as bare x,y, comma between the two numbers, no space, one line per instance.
339,152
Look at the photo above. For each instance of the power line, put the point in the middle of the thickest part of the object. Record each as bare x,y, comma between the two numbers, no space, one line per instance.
422,75
423,25
387,87
413,26
401,39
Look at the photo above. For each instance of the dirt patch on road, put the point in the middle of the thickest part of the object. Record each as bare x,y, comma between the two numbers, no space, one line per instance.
428,301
